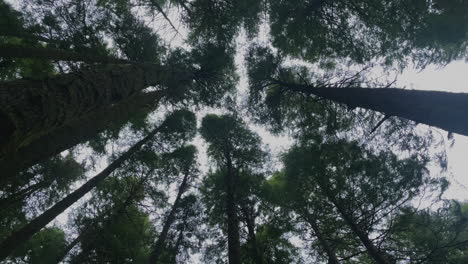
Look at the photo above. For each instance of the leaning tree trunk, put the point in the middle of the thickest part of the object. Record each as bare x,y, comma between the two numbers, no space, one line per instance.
332,259
76,132
32,108
68,248
444,110
159,245
19,237
377,255
180,237
231,212
90,230
19,51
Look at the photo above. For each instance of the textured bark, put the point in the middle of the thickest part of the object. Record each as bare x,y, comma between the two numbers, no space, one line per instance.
19,237
332,259
160,243
445,110
78,131
231,212
32,108
18,51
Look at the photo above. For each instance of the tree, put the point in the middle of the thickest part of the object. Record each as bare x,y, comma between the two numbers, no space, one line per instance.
186,159
274,85
179,122
234,148
42,248
362,31
365,189
236,151
432,236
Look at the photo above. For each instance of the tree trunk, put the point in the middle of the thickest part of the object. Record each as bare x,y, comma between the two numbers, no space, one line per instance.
179,238
32,108
332,259
444,110
250,223
231,212
159,245
91,229
378,256
22,194
18,51
76,132
68,248
25,233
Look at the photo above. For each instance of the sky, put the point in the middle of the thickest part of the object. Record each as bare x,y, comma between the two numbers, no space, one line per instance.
451,78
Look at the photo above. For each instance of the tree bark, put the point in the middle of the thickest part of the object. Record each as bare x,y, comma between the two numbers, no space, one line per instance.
231,212
19,237
76,132
444,110
32,108
159,245
18,51
332,259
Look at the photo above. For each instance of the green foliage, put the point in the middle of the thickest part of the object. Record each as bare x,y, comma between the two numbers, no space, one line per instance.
227,136
43,248
365,30
337,179
433,236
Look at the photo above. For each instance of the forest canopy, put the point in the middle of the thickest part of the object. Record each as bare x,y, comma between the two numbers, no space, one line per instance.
132,131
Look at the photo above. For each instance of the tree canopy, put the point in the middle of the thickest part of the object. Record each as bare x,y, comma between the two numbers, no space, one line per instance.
133,131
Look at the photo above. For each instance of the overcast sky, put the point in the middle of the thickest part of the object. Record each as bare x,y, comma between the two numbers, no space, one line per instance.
451,78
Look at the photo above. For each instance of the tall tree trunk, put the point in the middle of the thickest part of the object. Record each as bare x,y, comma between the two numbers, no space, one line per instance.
376,254
32,108
25,233
250,223
180,237
68,248
444,110
19,51
91,229
160,243
332,259
231,212
76,132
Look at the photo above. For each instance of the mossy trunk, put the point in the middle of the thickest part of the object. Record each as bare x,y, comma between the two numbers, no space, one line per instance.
22,235
78,131
32,108
445,110
19,51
